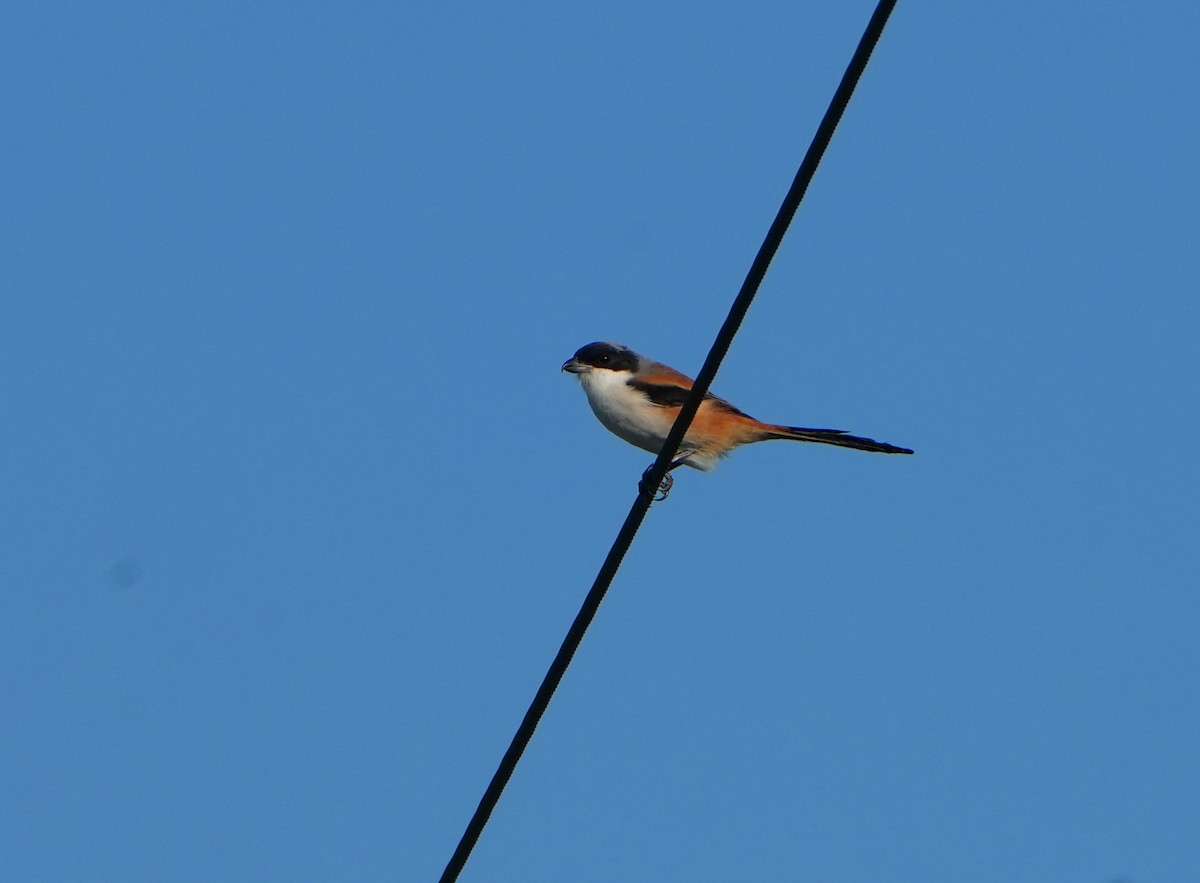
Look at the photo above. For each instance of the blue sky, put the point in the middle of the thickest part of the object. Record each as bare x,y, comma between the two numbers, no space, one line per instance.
297,506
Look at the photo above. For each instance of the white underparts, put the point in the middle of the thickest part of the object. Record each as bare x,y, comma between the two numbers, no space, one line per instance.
629,415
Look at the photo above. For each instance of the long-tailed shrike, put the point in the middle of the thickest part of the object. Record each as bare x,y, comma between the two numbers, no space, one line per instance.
638,399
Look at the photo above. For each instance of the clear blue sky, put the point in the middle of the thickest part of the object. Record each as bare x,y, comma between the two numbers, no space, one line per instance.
297,505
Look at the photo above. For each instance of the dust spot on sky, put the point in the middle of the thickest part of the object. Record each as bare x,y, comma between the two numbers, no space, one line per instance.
124,573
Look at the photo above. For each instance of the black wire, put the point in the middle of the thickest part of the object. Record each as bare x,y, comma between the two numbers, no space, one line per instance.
654,475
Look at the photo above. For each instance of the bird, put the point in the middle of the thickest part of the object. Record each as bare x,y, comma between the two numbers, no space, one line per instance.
638,400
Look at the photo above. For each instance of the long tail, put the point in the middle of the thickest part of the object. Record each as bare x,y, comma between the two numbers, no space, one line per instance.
832,437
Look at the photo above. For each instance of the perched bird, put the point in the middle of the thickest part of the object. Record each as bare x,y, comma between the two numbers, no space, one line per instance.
638,399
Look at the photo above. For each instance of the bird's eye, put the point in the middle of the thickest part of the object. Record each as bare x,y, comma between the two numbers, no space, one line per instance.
605,359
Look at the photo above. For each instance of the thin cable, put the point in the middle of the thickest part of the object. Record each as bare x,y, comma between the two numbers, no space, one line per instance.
654,475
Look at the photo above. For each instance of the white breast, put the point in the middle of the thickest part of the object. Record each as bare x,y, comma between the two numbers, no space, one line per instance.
624,411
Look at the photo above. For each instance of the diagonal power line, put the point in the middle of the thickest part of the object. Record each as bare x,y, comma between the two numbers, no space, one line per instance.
654,475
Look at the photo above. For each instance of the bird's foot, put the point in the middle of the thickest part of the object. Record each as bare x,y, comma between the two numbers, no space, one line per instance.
660,493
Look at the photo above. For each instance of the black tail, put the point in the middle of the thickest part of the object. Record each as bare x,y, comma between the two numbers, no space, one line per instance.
835,437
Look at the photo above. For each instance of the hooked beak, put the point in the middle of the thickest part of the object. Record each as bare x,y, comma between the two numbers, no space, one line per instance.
574,366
